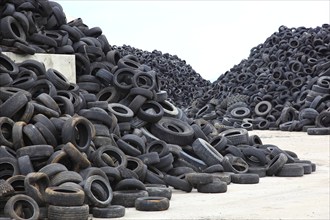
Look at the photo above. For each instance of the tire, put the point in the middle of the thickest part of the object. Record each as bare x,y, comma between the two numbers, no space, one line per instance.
85,129
76,156
119,158
158,146
6,127
9,167
318,131
65,176
290,170
261,171
36,152
130,184
236,135
159,190
214,169
68,212
151,112
240,112
52,169
263,108
216,186
178,183
196,179
64,196
206,152
127,198
24,164
9,209
152,204
234,164
17,182
35,185
149,158
5,189
173,131
13,104
122,112
246,178
94,199
112,211
276,164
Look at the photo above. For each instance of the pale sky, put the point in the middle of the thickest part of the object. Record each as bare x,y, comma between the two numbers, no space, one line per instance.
212,36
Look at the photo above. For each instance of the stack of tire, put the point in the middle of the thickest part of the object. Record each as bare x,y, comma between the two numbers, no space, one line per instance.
284,84
179,79
112,140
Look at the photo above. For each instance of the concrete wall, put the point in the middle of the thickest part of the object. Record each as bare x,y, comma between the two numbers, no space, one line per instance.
63,63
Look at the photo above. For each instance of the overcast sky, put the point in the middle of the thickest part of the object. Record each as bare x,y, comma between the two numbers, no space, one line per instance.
211,36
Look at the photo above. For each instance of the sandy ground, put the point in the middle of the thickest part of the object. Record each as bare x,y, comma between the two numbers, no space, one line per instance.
304,197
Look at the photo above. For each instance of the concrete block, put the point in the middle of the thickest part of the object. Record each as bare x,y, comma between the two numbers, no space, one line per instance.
64,63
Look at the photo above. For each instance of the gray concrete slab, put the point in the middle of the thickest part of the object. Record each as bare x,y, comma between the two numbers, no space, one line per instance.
304,197
64,63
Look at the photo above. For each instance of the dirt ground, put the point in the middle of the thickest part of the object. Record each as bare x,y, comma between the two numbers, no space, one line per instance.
304,197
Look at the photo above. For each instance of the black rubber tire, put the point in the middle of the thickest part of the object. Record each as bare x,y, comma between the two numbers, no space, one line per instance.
196,179
206,152
261,171
76,156
173,131
151,112
178,183
127,198
68,212
9,167
35,185
24,164
112,211
9,209
254,156
65,176
152,203
291,170
52,169
6,127
36,152
122,112
64,196
318,131
159,190
85,129
246,178
276,164
214,169
240,112
263,108
236,136
118,156
149,158
130,184
216,186
92,198
6,189
13,104
234,164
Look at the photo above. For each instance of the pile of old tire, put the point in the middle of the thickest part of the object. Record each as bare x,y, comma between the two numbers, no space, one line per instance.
33,26
113,140
182,83
284,84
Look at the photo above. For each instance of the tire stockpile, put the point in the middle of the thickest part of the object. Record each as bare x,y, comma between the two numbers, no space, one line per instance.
180,80
112,140
284,84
